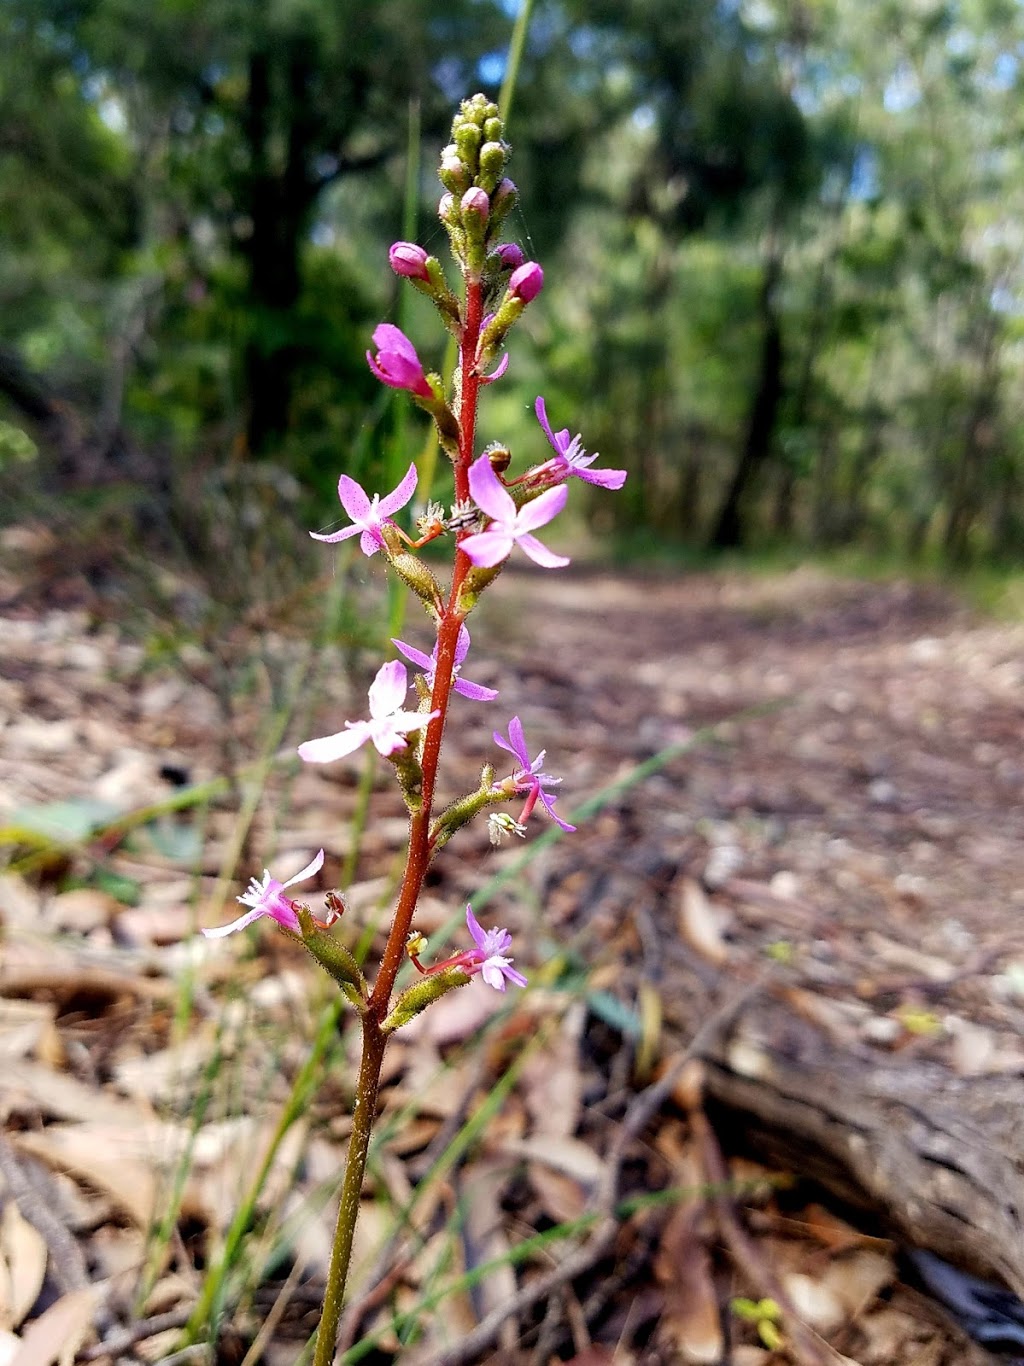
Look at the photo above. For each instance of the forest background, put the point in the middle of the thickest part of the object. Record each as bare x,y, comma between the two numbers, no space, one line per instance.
783,244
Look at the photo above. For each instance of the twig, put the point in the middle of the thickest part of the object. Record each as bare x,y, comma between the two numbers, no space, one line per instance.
640,1112
118,1343
807,1346
37,1205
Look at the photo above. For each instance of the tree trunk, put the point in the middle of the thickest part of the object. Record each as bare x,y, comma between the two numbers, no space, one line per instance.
730,530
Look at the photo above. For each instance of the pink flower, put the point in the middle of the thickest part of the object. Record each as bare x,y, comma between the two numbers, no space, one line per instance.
526,282
490,957
408,259
265,899
428,663
387,727
510,525
528,778
571,458
396,363
476,201
369,516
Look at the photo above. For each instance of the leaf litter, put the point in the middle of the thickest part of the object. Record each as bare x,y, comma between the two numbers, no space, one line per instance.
863,841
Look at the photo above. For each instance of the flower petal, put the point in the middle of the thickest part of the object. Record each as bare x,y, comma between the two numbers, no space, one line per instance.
540,554
475,928
313,866
335,536
488,492
353,498
330,747
388,689
219,931
476,691
414,656
541,510
399,496
488,548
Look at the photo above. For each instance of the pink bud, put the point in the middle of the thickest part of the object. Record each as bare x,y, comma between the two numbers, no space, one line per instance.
445,205
526,282
476,201
410,260
510,255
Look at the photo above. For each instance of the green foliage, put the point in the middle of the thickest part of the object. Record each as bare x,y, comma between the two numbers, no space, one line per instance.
198,199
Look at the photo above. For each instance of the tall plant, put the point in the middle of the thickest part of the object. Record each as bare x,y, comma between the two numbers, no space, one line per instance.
492,514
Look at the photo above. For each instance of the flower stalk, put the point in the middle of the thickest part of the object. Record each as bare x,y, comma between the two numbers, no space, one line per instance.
493,515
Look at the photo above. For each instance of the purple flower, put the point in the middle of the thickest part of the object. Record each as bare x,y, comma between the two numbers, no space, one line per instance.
369,516
526,282
490,957
571,458
510,255
510,525
396,363
408,259
428,663
528,777
496,373
388,724
265,899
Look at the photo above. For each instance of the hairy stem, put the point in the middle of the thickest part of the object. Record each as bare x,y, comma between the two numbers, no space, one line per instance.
416,864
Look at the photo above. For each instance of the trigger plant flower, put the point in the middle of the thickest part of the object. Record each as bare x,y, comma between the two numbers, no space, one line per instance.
571,458
528,777
428,663
510,526
396,362
368,515
387,727
490,957
266,898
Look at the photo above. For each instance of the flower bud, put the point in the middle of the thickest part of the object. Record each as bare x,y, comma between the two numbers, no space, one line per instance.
476,201
422,994
493,127
467,138
445,206
453,174
510,255
526,282
410,260
503,200
493,156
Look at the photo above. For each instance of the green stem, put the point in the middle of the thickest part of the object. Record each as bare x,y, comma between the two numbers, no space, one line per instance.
515,56
305,1082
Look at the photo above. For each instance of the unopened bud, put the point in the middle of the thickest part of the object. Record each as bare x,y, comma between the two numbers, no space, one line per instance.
493,127
476,201
410,260
492,163
499,456
526,282
510,255
503,200
422,994
453,175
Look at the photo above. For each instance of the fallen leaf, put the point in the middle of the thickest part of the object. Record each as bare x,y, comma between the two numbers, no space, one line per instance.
57,1335
700,923
24,1255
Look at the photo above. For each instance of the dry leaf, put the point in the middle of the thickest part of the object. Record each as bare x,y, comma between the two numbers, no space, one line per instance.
700,923
96,1154
691,1320
57,1335
24,1255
